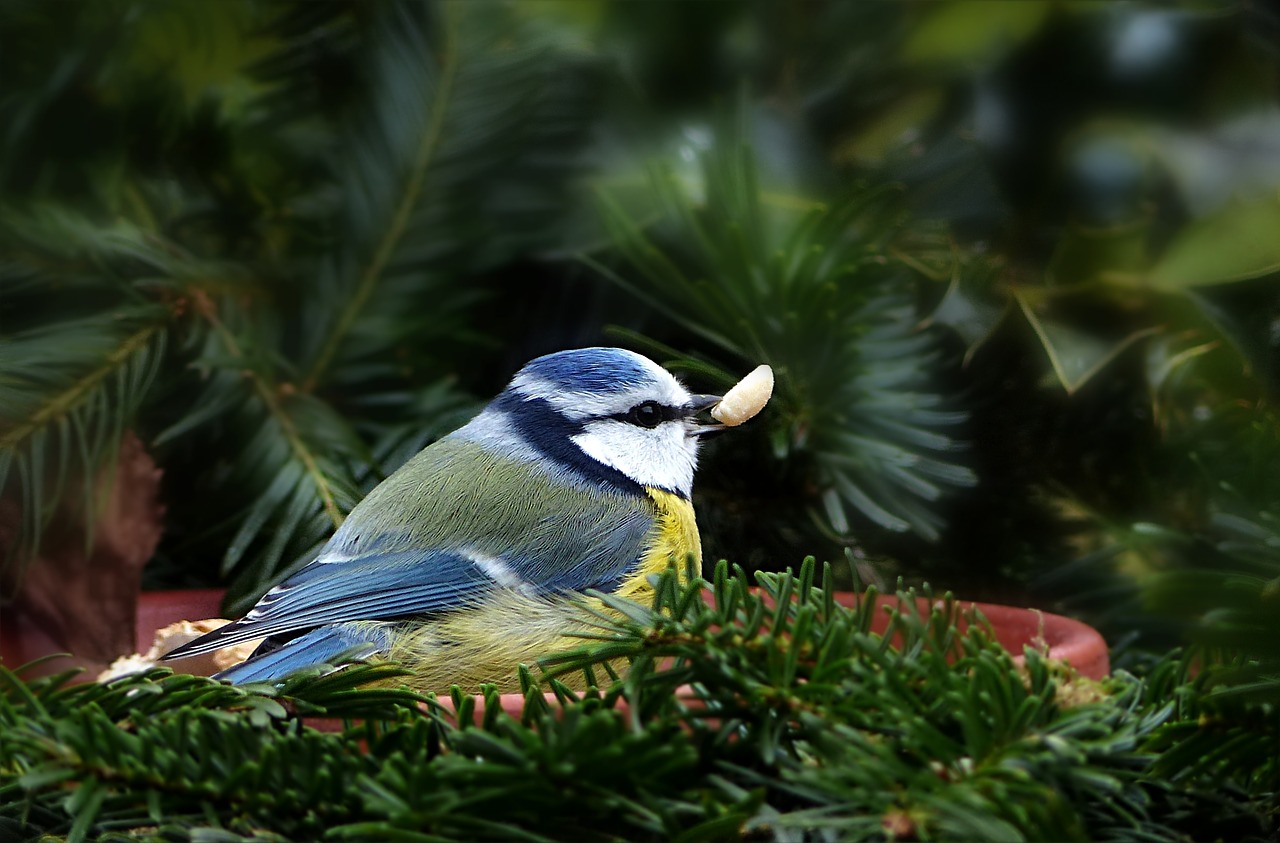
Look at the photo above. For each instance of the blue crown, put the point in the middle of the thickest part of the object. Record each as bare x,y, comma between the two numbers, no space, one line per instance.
599,371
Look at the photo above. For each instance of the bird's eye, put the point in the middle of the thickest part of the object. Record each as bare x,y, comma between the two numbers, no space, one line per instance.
648,414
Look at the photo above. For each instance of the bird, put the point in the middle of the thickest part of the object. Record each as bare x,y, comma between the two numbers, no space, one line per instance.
473,557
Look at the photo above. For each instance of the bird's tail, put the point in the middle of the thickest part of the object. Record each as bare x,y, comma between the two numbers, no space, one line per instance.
335,644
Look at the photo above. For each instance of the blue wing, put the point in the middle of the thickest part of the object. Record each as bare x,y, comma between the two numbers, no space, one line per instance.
417,545
383,586
325,644
376,587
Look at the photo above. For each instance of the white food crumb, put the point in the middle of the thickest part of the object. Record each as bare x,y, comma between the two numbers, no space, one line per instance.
170,638
746,399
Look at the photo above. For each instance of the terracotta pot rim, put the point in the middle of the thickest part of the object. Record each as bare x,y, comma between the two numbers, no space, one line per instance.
1061,638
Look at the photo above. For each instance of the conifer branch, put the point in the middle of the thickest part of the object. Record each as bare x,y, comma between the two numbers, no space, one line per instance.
270,395
64,402
809,288
409,199
772,712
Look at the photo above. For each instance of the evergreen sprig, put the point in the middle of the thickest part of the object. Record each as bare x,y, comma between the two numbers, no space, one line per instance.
74,375
771,712
279,307
809,287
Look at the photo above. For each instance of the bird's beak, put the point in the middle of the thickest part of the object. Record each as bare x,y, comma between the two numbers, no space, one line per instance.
696,405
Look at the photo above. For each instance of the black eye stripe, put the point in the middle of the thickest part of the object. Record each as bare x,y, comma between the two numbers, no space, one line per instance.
649,414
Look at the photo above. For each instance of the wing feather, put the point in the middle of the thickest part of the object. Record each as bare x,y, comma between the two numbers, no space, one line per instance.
411,547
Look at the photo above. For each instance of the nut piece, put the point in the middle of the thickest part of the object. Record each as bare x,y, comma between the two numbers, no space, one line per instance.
170,638
747,398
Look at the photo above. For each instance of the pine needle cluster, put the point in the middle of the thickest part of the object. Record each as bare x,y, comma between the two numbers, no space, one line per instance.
1024,349
310,269
773,714
278,302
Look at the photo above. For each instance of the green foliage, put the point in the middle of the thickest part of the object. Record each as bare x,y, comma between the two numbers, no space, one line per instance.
311,280
810,289
288,244
65,416
1228,245
306,234
775,714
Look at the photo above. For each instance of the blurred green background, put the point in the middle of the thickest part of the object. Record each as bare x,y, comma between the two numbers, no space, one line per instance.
1015,265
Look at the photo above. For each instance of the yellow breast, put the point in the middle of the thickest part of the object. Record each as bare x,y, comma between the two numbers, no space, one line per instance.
674,538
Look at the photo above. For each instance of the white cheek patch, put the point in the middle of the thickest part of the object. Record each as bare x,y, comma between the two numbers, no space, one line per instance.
663,457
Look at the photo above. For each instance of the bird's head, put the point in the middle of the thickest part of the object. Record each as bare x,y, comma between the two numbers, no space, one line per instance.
608,407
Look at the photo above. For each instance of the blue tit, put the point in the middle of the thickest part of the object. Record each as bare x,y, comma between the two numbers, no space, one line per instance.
472,558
